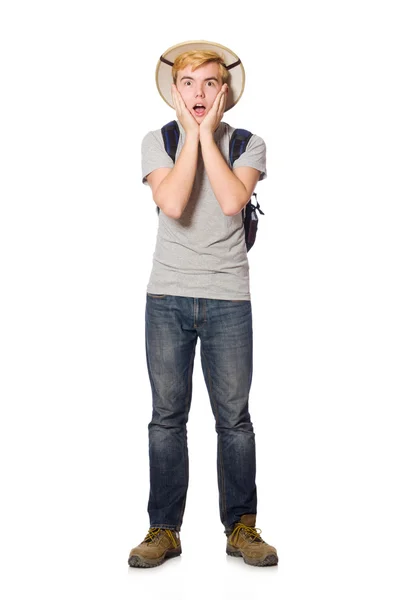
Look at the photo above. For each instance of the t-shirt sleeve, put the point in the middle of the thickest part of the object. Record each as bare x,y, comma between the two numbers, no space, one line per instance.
153,155
254,156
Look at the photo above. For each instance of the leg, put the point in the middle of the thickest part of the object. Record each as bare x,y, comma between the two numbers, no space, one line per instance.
170,350
226,355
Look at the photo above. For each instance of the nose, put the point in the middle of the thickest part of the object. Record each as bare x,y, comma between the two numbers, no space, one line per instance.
200,91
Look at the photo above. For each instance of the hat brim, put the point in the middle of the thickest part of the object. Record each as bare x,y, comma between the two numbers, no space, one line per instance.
236,80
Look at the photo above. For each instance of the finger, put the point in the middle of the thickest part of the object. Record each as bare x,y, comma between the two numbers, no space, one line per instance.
174,99
177,102
222,104
181,102
215,105
175,93
219,97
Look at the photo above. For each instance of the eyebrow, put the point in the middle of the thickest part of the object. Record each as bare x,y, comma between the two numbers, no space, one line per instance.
206,79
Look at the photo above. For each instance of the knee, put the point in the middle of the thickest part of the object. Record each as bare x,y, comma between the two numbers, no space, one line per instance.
241,426
167,421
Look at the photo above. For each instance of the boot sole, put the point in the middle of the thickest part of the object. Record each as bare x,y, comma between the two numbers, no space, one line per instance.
269,561
146,563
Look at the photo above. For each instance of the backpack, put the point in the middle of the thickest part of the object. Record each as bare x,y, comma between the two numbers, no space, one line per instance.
237,146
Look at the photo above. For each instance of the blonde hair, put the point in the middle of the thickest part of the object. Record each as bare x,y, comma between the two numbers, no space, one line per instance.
198,58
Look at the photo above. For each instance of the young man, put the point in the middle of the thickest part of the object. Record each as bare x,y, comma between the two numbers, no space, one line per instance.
199,288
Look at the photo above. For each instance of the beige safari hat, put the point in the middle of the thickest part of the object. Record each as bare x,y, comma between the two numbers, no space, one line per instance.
232,63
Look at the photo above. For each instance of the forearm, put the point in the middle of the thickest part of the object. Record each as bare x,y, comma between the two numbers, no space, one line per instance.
174,191
228,189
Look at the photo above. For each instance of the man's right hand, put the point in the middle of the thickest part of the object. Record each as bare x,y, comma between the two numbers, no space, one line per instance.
186,119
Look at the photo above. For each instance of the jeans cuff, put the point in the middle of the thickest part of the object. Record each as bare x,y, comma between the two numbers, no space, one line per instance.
165,526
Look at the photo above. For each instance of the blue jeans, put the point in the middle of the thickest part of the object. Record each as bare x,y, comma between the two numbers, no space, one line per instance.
173,324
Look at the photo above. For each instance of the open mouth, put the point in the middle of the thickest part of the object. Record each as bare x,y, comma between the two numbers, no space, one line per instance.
199,109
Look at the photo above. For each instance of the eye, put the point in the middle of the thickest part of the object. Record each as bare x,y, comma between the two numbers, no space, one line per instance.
188,82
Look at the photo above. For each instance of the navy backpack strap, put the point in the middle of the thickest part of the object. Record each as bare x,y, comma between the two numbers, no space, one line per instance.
238,144
170,133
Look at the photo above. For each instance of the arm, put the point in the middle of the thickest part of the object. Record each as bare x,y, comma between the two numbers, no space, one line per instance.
232,189
171,188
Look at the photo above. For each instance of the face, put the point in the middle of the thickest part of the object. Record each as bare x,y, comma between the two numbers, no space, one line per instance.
199,88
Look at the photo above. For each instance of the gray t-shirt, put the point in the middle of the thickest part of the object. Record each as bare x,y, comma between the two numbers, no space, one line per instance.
202,254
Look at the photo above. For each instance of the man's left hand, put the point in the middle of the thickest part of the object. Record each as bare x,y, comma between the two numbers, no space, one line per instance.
215,114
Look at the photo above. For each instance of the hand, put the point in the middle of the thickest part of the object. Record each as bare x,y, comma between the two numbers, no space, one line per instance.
214,116
186,119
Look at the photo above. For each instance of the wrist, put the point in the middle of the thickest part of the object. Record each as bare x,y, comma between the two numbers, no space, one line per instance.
206,136
192,136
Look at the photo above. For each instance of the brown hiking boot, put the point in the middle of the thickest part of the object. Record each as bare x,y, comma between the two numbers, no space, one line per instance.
158,545
246,542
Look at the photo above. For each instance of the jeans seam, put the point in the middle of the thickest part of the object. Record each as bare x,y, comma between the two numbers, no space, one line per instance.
195,312
187,407
221,467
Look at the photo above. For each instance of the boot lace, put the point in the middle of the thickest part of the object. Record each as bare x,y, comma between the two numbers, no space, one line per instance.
153,533
250,533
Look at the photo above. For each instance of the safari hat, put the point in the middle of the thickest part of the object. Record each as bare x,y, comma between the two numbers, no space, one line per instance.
232,63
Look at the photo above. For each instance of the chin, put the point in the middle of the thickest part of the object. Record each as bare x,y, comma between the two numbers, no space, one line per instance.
196,118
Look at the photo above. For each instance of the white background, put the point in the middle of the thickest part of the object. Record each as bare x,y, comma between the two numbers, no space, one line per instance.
77,233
